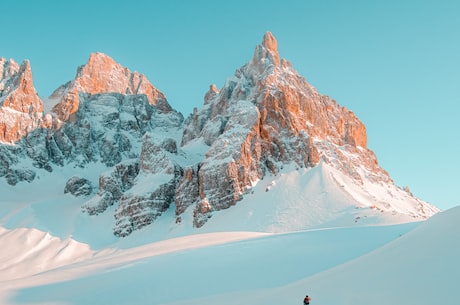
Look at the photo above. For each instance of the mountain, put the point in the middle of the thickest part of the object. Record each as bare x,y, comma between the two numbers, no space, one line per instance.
266,142
267,116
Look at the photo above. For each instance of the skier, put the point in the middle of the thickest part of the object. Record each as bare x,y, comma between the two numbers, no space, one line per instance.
307,300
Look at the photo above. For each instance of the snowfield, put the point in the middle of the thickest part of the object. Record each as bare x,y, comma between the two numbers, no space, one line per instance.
408,264
302,231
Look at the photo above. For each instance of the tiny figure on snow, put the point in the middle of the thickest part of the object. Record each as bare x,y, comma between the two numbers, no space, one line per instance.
307,300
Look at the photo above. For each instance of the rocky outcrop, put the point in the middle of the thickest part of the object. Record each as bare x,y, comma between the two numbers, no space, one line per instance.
20,106
187,191
153,191
78,186
112,185
142,189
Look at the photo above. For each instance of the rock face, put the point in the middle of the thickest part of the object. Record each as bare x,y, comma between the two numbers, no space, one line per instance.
112,185
265,117
20,106
153,191
78,186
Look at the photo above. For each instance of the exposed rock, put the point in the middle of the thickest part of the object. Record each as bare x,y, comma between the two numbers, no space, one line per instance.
13,176
109,128
153,159
211,94
137,211
8,68
154,189
169,145
187,191
271,45
266,54
20,106
112,185
102,74
232,161
78,186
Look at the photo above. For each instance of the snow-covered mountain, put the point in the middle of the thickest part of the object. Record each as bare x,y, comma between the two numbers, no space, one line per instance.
263,194
111,144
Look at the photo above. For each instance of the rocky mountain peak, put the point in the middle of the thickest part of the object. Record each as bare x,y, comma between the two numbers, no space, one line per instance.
15,77
269,42
266,54
102,74
20,106
267,115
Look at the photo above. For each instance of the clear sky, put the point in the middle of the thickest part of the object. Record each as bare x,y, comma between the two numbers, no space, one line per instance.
395,63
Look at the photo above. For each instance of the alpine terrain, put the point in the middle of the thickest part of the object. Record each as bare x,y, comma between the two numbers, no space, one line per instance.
104,174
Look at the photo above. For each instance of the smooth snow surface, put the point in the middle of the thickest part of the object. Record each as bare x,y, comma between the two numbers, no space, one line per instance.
28,251
407,264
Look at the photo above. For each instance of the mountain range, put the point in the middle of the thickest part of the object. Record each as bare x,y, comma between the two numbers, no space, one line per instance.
110,142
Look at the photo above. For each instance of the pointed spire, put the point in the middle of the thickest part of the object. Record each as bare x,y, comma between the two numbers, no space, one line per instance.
18,94
25,79
266,54
269,42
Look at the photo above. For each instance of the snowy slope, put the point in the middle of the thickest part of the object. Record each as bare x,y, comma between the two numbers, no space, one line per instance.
199,267
335,266
295,199
320,197
29,251
421,267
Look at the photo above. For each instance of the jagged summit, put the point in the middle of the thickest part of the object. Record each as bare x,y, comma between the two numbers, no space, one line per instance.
269,42
101,74
16,86
20,107
266,54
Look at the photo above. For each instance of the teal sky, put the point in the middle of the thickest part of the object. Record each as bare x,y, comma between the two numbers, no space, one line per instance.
395,63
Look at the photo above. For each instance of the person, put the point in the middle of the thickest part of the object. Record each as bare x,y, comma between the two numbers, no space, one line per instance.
307,300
